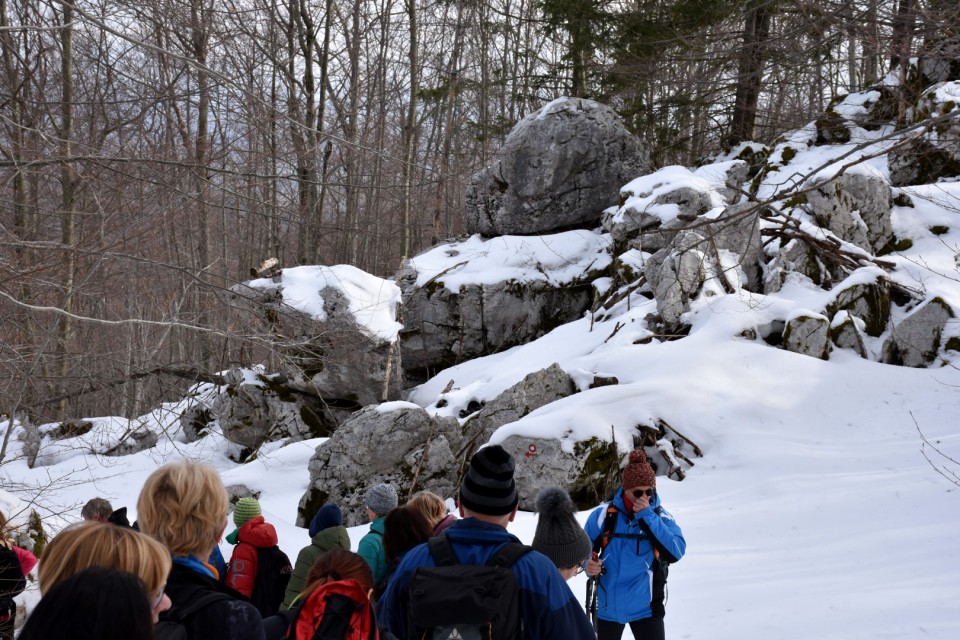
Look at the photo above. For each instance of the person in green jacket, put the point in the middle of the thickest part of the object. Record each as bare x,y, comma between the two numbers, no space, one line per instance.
326,533
380,499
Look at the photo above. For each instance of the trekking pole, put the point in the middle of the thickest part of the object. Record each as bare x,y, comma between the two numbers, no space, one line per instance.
591,603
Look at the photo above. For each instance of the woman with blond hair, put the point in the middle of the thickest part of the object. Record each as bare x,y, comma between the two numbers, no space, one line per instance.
101,544
184,506
15,564
434,510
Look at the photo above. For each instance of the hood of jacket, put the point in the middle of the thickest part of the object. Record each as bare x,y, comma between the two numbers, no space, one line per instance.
335,537
258,532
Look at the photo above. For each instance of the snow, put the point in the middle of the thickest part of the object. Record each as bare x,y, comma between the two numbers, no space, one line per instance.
558,259
373,301
814,511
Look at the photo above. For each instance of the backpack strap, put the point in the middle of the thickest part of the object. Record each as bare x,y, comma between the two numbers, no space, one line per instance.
196,603
441,551
606,532
508,555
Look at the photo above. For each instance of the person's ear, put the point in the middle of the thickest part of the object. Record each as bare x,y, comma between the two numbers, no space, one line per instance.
460,507
513,514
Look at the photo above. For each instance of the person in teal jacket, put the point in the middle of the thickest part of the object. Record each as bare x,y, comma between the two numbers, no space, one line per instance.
380,499
631,569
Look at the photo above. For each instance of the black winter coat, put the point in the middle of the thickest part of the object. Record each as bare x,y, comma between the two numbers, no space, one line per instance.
232,618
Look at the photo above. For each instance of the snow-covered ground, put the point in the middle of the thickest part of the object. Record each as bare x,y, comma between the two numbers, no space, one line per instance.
816,510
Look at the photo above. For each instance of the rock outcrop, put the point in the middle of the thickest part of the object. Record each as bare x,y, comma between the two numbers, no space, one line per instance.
559,168
476,297
334,327
253,408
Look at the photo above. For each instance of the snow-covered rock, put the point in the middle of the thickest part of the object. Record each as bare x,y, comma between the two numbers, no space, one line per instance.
471,298
334,327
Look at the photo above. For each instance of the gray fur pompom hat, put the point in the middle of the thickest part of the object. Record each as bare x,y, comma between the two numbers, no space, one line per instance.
559,536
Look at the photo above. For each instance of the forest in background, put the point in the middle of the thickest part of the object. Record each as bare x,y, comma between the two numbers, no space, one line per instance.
153,152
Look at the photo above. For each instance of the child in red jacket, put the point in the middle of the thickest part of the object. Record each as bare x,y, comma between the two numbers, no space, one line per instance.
258,568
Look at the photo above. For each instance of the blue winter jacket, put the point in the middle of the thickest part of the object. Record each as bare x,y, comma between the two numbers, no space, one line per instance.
628,587
548,608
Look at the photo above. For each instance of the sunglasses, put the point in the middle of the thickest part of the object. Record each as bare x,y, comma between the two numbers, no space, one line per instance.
156,602
636,493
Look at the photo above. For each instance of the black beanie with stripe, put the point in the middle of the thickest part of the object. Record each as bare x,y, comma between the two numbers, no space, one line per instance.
489,488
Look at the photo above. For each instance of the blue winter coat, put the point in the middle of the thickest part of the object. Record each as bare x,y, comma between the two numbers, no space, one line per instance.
548,608
631,587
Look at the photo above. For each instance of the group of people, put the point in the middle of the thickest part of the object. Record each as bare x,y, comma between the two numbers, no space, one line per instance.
416,573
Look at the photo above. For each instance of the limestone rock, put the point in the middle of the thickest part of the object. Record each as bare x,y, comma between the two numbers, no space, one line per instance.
330,326
398,443
676,274
665,197
856,207
534,391
558,169
915,340
846,332
450,318
869,301
589,473
936,154
808,334
253,408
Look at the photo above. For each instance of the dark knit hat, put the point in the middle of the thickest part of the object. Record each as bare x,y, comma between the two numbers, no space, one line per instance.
489,488
381,498
245,509
638,472
559,536
329,515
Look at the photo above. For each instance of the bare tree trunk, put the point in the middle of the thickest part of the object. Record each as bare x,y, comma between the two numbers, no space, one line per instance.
410,128
68,200
450,108
756,31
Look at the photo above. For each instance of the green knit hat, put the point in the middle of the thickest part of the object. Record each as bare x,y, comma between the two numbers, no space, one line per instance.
245,509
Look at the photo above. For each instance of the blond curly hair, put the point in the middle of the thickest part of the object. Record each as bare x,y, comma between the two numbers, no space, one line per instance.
184,506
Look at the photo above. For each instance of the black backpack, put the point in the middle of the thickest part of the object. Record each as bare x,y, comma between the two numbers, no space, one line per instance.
466,601
172,625
270,583
12,580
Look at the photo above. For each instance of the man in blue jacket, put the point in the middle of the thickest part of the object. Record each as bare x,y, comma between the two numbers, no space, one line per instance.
488,503
632,566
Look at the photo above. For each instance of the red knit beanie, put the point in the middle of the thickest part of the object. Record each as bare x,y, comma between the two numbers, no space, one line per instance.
638,472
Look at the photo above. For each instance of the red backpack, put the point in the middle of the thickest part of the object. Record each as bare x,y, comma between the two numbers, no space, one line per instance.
337,610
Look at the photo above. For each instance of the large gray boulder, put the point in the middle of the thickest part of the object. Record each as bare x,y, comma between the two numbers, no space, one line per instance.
915,340
325,324
855,206
534,391
252,408
473,298
676,273
559,168
867,300
670,197
808,334
588,473
935,153
398,443
725,249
